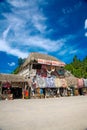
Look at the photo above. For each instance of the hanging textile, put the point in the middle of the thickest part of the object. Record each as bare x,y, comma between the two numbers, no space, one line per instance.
50,82
6,85
44,67
71,81
85,82
42,72
48,71
38,72
34,82
80,83
54,74
52,68
63,83
41,82
57,82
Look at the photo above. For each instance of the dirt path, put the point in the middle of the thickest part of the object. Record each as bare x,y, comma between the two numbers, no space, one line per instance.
65,113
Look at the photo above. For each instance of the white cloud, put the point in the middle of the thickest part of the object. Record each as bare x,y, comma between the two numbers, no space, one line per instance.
11,64
38,20
85,24
85,27
62,52
68,49
18,3
73,51
46,44
86,34
6,48
26,12
5,33
24,19
26,30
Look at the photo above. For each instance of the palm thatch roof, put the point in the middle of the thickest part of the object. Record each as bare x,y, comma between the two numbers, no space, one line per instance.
12,78
35,56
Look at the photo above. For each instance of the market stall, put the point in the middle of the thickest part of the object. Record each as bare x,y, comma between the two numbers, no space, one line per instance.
44,71
12,86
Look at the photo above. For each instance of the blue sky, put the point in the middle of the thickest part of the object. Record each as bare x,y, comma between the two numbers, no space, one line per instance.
54,27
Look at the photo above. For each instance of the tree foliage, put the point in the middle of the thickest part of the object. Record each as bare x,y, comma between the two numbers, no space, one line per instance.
78,68
20,62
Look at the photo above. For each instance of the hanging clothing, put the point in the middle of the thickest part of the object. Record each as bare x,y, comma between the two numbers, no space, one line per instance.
57,82
38,72
41,82
50,82
48,73
6,85
52,68
42,72
71,81
54,74
80,83
44,67
85,82
63,83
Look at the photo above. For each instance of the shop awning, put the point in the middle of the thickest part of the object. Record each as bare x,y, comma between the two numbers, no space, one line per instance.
49,62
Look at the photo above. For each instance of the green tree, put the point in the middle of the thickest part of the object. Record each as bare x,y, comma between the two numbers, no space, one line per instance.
78,68
20,62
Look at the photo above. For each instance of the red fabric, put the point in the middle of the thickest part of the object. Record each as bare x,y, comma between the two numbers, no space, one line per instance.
42,72
26,93
6,85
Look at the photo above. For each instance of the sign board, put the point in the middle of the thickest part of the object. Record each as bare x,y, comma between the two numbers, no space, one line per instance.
49,62
42,61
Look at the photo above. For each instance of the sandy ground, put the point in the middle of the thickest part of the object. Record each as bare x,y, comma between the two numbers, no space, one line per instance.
65,113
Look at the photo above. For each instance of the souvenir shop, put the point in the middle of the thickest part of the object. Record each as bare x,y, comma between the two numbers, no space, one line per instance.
12,87
14,90
47,79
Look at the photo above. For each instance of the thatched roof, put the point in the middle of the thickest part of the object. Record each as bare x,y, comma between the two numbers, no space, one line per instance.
12,78
35,56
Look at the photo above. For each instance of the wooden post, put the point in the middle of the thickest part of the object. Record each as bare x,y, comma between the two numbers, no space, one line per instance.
23,90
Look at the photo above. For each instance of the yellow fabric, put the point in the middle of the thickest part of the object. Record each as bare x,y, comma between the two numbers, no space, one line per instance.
57,82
